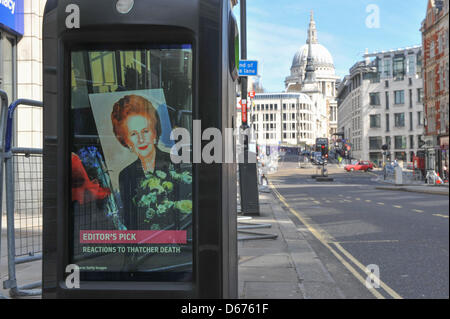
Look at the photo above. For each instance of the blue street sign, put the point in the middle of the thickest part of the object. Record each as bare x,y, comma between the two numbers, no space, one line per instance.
11,15
248,68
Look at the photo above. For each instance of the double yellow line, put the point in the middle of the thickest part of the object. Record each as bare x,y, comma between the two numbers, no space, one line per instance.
326,240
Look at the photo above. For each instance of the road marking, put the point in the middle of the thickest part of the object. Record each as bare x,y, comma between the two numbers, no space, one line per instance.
440,215
368,201
348,201
357,198
380,203
397,206
418,211
325,239
366,241
388,289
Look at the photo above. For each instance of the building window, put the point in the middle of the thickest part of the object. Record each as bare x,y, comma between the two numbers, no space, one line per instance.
375,121
400,156
284,106
387,68
387,100
399,68
410,98
375,143
419,118
399,119
399,97
411,64
411,141
374,98
419,64
400,142
410,121
388,142
420,95
387,123
432,49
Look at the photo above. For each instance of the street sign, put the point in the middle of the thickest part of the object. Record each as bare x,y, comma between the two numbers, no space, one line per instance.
252,94
248,68
11,15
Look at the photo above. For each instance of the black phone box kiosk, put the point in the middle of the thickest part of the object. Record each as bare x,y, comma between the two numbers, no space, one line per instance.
123,218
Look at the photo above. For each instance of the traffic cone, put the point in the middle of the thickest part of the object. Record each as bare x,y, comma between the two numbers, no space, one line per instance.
439,180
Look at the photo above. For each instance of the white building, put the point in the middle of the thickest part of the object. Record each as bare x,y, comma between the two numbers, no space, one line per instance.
283,119
380,102
321,84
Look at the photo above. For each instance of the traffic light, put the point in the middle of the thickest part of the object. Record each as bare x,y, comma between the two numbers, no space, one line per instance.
324,151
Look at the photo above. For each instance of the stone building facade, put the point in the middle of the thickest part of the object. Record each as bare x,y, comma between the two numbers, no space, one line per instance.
435,41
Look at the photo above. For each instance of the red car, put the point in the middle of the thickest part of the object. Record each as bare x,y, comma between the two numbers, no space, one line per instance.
359,166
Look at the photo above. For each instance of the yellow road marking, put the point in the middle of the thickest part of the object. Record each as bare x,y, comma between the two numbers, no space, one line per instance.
397,206
326,239
380,203
368,201
357,198
367,241
440,215
388,289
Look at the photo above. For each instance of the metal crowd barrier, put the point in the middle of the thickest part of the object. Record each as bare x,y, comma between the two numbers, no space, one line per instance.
23,181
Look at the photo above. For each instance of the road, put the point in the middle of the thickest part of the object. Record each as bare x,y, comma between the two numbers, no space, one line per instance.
351,225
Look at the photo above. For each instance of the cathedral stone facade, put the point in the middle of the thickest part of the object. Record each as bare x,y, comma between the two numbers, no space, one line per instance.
313,73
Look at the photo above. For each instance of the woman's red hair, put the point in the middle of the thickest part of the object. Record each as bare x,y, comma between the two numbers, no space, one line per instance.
133,105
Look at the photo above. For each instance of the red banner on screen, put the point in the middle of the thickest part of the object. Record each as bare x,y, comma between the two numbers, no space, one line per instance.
133,237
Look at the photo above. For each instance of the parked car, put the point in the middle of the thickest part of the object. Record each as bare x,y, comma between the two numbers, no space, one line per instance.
316,158
359,166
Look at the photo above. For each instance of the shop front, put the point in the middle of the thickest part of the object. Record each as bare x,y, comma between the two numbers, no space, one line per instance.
11,30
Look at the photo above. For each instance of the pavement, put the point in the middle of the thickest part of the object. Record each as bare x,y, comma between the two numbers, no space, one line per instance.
26,273
282,268
424,189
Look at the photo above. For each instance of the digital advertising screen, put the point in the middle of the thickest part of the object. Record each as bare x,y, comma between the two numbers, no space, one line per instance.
131,206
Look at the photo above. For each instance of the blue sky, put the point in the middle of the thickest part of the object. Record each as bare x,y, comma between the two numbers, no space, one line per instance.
276,29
